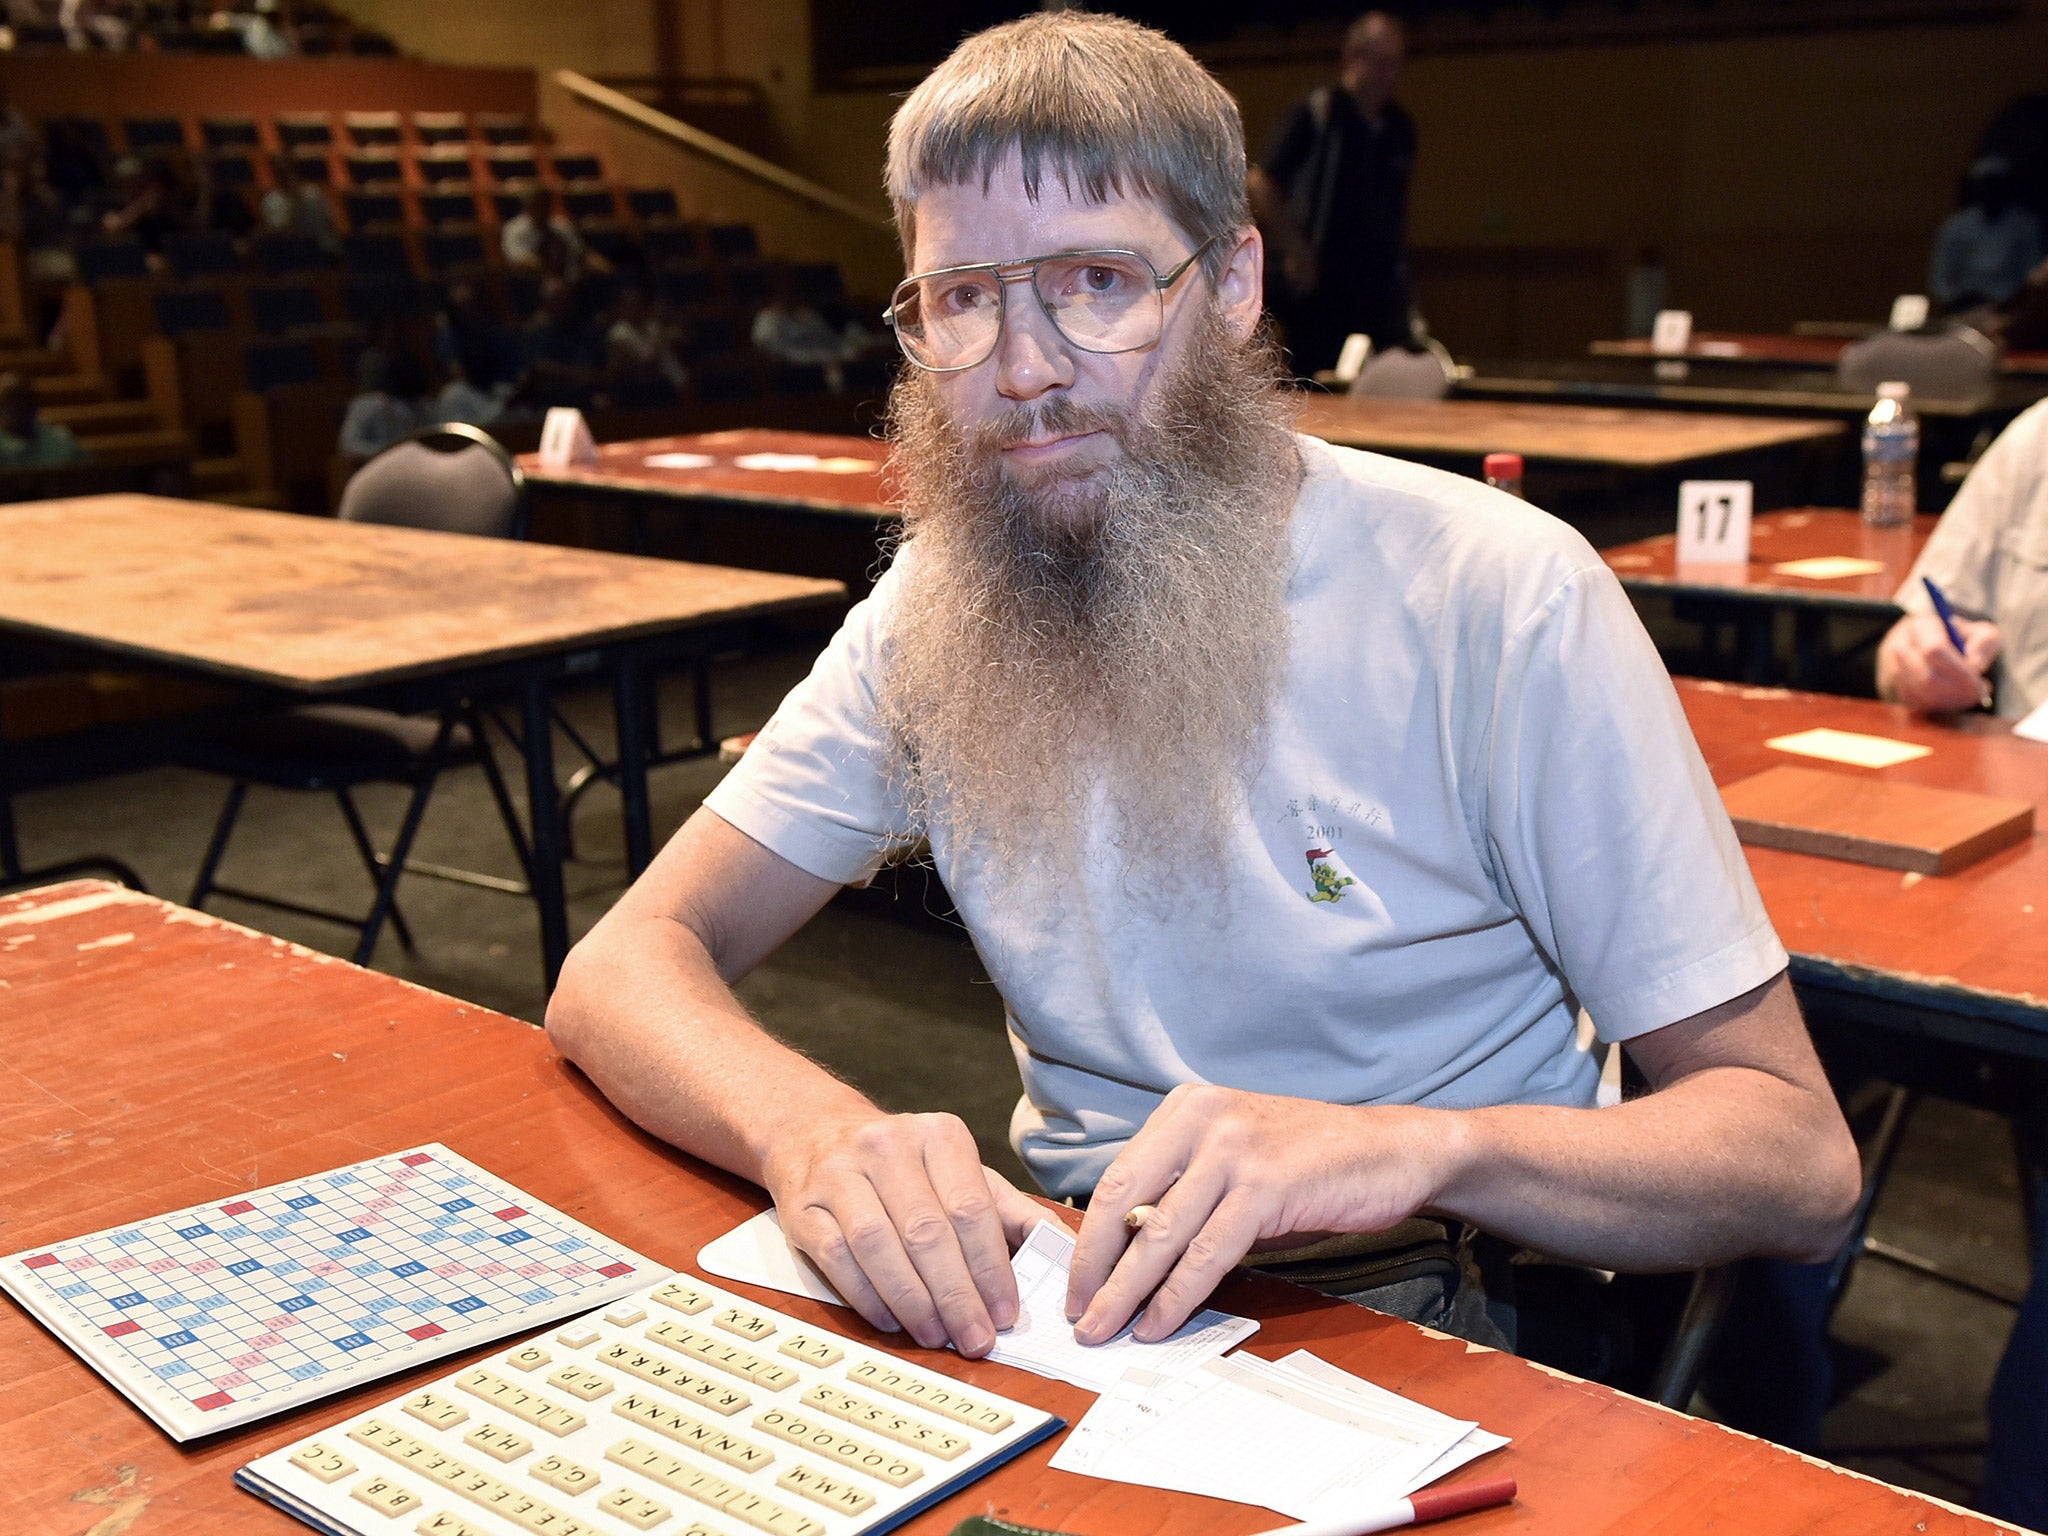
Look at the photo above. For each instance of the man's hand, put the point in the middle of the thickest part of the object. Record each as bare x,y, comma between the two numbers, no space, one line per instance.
906,1223
1227,1172
1920,667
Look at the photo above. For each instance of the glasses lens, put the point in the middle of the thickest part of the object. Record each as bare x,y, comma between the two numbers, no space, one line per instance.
949,319
1103,301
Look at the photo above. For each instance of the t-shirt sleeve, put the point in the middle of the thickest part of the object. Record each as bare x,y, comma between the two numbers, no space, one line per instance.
815,786
1604,827
1290,144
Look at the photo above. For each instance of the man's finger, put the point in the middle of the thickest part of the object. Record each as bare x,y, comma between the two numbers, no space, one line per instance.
1141,1175
871,1234
1020,1214
953,1163
1151,1255
952,1308
1205,1263
815,1232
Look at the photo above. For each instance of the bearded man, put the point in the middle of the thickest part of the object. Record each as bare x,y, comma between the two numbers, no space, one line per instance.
1296,799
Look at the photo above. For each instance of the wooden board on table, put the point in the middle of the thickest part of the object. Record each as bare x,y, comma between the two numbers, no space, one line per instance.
1912,827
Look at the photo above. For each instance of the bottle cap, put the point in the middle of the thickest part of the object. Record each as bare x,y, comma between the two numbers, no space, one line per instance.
1894,389
1503,466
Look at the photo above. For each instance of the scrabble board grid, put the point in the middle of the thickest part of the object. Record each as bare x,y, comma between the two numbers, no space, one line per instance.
681,1410
224,1313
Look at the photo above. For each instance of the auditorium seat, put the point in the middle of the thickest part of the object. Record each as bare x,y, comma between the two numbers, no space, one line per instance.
99,260
230,133
447,207
372,129
686,286
453,253
819,282
374,168
316,168
668,245
268,365
511,165
653,204
503,128
589,202
375,299
143,134
305,130
180,311
202,253
286,255
733,242
439,128
610,239
279,308
230,168
369,211
750,283
577,166
441,164
375,254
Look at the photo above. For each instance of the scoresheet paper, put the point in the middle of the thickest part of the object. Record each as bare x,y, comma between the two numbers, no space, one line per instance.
229,1312
1298,1436
1042,1340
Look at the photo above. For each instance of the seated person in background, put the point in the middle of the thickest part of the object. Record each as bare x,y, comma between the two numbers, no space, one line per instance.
390,403
33,215
467,325
295,206
561,349
27,441
790,330
219,208
1989,556
1295,798
640,346
539,238
147,203
1987,246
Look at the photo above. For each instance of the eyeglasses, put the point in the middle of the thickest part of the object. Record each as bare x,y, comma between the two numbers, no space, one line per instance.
1101,301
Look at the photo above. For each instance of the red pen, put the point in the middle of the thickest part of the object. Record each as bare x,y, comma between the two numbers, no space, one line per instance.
1417,1509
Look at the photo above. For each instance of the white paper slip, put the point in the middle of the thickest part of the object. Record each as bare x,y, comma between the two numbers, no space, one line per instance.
679,461
1849,747
1259,1433
2034,727
1476,1443
756,1252
1828,567
1043,1340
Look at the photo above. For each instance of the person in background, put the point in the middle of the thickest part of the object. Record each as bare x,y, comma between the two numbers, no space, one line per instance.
562,351
33,216
390,403
1989,556
468,334
27,441
1987,246
219,208
790,330
295,206
147,203
1331,196
540,238
640,347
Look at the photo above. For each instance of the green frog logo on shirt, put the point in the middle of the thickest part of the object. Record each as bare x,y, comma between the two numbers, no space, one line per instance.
1328,874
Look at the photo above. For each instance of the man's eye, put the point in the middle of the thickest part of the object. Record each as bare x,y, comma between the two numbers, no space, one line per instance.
1101,279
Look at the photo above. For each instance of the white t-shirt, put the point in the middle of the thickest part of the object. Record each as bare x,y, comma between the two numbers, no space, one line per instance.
1478,746
1989,556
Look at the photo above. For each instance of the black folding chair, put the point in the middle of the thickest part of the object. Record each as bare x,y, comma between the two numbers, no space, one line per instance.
454,478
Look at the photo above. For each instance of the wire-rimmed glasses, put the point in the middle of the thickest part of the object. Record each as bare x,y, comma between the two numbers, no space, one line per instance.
1102,301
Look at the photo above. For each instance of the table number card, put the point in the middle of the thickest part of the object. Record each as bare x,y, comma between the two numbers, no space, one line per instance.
1671,333
1909,312
1713,522
565,438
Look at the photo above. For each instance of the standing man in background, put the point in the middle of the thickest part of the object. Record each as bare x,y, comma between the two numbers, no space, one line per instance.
1331,194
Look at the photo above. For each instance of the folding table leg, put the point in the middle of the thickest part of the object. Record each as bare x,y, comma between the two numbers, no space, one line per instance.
544,817
630,704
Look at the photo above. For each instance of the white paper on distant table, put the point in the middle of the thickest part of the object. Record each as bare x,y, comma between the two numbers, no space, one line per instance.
1849,747
679,461
1829,567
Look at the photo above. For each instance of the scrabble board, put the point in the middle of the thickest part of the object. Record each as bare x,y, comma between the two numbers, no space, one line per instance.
683,1410
228,1312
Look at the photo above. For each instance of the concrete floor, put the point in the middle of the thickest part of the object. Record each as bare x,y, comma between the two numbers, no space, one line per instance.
902,1008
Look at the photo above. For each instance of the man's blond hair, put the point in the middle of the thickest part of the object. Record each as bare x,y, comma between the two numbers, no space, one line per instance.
1103,104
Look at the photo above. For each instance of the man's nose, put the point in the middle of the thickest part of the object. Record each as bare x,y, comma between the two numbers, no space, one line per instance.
1032,356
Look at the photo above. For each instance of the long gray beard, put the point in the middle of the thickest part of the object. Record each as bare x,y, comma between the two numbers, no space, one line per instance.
1093,661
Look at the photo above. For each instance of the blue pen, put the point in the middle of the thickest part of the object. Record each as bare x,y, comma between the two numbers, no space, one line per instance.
1946,613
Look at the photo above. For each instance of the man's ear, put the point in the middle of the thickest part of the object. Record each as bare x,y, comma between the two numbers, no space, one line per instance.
1241,283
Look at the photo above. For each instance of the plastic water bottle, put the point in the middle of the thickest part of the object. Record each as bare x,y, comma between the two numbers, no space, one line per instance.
1891,457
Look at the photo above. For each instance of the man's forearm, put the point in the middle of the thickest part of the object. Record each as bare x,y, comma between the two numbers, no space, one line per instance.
644,1012
1729,1162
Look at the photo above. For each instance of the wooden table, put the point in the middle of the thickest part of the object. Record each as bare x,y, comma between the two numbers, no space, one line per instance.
1961,958
302,609
1752,596
286,1063
1619,439
814,521
1778,350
